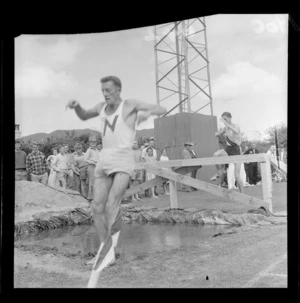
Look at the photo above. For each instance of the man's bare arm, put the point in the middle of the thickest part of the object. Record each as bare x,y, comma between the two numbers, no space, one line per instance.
235,128
81,112
153,109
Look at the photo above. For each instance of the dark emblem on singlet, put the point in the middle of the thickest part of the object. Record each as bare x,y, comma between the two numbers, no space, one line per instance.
112,127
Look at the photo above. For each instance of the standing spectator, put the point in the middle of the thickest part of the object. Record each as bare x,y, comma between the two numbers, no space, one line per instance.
137,175
149,157
164,157
150,144
80,171
70,165
60,166
252,166
36,165
52,180
187,153
20,163
91,157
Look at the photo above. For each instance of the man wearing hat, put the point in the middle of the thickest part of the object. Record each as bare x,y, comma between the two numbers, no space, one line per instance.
189,153
117,119
91,157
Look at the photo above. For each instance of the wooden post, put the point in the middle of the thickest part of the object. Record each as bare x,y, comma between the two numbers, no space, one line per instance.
266,179
173,194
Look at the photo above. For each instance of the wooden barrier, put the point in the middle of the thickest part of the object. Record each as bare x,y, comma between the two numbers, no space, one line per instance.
162,170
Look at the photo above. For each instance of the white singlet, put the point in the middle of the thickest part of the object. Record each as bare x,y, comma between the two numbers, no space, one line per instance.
117,140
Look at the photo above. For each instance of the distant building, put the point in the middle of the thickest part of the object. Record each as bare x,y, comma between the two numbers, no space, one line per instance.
17,131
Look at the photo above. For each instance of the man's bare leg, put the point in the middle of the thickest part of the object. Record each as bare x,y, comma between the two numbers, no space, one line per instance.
102,188
116,193
237,169
219,153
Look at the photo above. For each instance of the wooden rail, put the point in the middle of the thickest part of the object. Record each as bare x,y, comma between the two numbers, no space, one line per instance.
162,170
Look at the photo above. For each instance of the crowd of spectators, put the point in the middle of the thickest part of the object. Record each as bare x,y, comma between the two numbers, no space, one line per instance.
63,168
75,170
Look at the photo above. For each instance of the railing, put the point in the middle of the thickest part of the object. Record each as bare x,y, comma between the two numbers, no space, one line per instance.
181,167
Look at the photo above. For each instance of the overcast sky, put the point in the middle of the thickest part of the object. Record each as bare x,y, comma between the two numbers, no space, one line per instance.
248,69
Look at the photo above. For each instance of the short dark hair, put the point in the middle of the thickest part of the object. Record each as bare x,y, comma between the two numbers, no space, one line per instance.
227,114
54,148
116,81
149,148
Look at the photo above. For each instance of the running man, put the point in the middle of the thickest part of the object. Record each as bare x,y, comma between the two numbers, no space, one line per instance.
117,120
233,138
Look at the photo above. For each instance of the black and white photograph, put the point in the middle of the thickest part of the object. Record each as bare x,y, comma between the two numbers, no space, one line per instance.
154,156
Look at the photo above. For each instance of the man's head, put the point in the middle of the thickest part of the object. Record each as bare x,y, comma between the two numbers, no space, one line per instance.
135,145
54,151
17,145
93,142
253,145
78,148
188,145
151,142
149,151
35,147
99,146
66,148
62,149
111,88
227,116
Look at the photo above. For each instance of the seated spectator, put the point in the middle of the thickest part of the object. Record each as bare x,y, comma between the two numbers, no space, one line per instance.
36,165
52,180
149,157
20,163
80,179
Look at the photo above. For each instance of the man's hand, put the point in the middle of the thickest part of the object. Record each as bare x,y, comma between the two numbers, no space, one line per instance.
72,104
222,120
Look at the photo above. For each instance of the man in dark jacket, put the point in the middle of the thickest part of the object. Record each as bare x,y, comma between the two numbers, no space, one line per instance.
252,166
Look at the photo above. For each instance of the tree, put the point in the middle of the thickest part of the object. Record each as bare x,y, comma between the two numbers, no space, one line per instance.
281,133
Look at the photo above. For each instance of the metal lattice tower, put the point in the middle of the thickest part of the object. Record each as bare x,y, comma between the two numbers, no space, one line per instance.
182,67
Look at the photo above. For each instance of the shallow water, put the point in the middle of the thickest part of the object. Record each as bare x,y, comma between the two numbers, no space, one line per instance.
135,238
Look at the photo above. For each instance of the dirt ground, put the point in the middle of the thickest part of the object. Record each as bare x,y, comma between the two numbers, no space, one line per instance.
246,256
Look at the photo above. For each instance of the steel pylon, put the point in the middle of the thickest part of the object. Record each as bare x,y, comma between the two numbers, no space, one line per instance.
182,67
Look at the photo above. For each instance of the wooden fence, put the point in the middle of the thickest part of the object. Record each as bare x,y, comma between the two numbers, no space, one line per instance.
181,167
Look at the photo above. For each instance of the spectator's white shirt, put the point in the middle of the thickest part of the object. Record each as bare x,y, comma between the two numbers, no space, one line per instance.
60,161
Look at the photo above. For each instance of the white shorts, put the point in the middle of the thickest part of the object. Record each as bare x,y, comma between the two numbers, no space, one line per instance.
114,160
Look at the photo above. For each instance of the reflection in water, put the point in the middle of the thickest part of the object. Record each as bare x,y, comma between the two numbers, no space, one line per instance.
135,238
